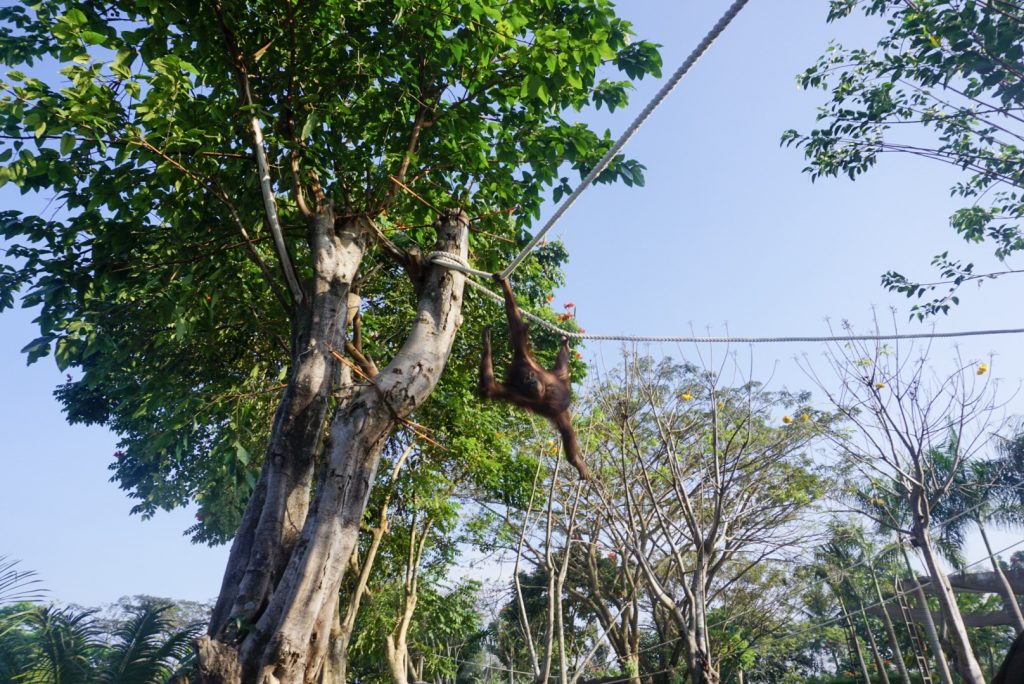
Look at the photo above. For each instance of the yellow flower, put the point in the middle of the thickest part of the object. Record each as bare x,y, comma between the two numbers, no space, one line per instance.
686,396
804,418
879,385
787,420
982,368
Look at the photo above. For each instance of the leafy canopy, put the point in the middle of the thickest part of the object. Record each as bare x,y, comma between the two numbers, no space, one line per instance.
954,68
155,276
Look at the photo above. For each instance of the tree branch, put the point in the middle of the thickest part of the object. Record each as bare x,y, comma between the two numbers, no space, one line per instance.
269,201
221,195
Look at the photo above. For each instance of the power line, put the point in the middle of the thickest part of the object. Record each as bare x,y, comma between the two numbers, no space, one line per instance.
658,98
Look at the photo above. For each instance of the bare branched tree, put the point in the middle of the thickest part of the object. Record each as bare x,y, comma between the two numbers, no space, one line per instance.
913,431
703,484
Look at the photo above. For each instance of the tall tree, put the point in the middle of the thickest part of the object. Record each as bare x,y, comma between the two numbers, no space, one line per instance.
702,484
901,416
250,193
954,68
979,499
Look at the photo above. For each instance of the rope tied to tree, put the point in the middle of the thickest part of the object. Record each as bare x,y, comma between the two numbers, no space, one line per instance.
456,263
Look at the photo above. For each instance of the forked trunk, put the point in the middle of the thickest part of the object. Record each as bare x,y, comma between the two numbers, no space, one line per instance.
279,503
273,618
398,660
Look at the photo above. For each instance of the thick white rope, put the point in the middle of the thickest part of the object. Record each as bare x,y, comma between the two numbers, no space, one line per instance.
455,263
669,86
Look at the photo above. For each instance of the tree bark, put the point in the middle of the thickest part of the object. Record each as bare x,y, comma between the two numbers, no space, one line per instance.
967,664
397,642
1009,598
279,503
274,628
854,644
883,676
397,646
939,656
335,665
703,670
890,631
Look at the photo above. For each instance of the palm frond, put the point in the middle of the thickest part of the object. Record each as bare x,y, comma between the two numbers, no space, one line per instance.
18,585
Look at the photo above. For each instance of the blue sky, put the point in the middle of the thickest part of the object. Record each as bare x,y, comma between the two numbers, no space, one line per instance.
727,236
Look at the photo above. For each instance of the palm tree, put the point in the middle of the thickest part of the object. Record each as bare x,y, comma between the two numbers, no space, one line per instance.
147,649
17,585
889,511
838,563
18,589
66,646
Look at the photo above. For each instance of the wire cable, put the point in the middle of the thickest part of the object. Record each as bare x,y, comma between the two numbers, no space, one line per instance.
669,86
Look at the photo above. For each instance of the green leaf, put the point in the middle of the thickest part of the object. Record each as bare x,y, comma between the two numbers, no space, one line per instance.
76,17
173,316
37,348
93,38
242,454
309,125
536,87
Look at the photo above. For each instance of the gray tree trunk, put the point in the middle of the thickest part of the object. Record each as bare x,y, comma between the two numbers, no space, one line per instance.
967,663
854,644
278,506
1009,598
703,669
272,621
890,631
939,656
